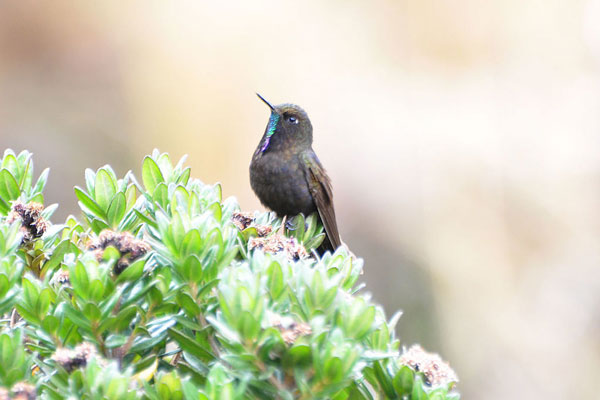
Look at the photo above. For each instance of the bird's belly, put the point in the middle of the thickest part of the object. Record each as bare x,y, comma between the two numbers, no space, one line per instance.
281,186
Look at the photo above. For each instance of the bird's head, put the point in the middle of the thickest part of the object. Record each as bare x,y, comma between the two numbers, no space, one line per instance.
288,129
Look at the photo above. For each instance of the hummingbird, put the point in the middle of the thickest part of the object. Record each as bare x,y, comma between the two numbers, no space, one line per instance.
286,174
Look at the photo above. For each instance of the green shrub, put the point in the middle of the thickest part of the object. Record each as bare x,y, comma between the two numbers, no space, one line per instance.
166,291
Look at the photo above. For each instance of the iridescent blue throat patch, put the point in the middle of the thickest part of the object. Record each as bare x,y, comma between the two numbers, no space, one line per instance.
270,130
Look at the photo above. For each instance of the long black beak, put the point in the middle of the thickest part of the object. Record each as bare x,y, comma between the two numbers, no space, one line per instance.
266,102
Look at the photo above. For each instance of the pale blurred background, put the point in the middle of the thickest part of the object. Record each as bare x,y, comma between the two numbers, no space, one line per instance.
462,138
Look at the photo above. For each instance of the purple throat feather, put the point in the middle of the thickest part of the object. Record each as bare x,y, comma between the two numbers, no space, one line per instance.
270,130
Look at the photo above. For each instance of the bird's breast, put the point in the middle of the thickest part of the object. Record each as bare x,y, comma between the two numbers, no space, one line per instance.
280,184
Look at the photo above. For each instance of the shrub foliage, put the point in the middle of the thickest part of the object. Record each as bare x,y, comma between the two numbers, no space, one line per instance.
163,290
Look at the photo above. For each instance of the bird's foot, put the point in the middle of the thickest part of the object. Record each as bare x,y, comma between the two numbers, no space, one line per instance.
289,225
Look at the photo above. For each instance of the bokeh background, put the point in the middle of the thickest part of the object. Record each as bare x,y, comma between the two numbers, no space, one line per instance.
462,138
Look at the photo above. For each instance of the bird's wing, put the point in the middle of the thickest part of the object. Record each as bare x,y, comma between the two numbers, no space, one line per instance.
319,185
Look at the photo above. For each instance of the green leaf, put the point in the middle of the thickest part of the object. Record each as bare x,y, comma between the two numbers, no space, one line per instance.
177,231
314,242
191,243
184,177
115,340
192,269
188,304
10,163
125,317
38,198
130,222
4,285
311,221
161,195
30,293
275,280
58,255
77,317
131,196
89,204
190,345
191,392
145,219
132,272
79,279
155,296
207,288
300,355
164,162
4,206
403,381
189,323
299,227
418,393
28,314
216,210
48,211
151,175
384,379
363,322
8,300
92,312
104,189
96,290
116,210
90,178
9,189
333,370
50,324
41,182
157,334
26,177
43,302
98,225
248,326
438,394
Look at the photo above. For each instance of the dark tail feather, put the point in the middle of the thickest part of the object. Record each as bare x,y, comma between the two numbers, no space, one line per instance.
327,244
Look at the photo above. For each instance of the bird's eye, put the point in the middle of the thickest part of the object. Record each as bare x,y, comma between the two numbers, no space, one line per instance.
293,120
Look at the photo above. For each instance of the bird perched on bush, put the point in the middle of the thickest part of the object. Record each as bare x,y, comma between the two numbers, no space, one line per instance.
286,174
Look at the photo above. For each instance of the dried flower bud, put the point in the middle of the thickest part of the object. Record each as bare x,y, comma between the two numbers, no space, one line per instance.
242,219
130,248
23,391
71,359
263,230
61,278
290,329
437,372
278,243
85,350
245,220
33,225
